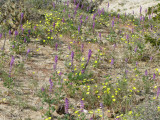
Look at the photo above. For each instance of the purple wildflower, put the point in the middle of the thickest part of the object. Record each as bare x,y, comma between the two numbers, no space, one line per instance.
154,76
74,2
66,105
132,30
100,35
81,22
69,15
112,61
83,70
112,23
68,3
151,27
82,105
101,105
22,16
51,85
21,26
135,49
55,65
12,61
29,31
146,73
16,33
69,47
82,6
86,18
0,35
140,18
54,24
126,60
82,46
114,18
75,12
89,55
87,9
127,37
60,74
71,83
140,9
149,16
79,29
99,12
80,17
13,46
35,27
126,71
103,11
114,45
24,39
77,6
42,89
146,11
53,4
63,20
22,30
11,64
143,18
72,56
9,32
93,25
56,59
28,51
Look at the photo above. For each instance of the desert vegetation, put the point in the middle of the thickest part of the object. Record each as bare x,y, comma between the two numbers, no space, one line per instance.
70,60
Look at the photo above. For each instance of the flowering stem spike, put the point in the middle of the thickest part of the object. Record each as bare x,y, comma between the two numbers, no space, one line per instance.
66,105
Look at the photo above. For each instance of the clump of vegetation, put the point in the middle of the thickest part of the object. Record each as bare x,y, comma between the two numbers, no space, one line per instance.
152,40
13,14
156,11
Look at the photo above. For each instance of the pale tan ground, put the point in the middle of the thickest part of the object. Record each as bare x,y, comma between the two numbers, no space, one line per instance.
129,6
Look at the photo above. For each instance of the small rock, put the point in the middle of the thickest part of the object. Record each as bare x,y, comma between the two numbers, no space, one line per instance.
61,110
85,111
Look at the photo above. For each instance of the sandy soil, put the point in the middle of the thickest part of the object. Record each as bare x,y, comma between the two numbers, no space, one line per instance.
129,6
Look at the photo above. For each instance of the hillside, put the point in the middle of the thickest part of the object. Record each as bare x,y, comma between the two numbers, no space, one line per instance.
70,61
